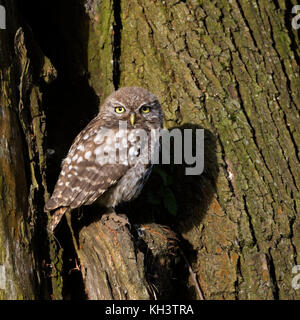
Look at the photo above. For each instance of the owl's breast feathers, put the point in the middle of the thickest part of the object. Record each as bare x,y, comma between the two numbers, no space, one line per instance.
89,169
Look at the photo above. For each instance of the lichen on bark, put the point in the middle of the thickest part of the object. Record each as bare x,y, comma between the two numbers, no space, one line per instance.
228,68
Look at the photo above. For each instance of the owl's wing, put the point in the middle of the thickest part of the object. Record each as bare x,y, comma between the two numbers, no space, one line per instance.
83,178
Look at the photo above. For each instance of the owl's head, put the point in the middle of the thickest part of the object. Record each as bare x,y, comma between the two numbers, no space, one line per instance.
139,107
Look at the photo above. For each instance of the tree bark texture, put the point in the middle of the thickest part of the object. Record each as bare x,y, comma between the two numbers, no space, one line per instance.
230,67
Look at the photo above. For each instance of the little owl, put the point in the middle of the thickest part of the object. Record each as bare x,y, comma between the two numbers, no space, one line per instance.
106,163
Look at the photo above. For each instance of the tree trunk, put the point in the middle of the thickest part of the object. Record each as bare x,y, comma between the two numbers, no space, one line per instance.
230,67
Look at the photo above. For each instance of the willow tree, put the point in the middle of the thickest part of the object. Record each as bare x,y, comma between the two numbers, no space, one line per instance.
230,67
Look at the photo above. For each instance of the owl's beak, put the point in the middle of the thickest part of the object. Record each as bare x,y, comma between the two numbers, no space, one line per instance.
132,118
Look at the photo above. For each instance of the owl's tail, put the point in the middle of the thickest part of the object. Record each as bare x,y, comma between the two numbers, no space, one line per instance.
55,218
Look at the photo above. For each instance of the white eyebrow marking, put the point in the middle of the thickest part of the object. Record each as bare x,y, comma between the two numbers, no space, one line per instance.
148,104
117,102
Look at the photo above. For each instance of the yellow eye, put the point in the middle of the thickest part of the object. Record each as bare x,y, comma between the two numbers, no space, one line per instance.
145,109
119,109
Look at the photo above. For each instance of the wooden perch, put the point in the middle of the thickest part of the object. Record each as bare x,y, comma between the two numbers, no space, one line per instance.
110,264
116,265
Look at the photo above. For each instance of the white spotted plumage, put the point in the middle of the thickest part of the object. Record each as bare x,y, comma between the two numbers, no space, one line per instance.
87,172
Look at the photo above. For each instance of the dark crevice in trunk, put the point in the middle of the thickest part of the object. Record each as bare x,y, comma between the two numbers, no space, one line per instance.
284,70
34,216
61,31
251,227
117,28
273,276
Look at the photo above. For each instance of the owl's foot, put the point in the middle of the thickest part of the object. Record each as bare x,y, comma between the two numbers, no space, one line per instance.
120,220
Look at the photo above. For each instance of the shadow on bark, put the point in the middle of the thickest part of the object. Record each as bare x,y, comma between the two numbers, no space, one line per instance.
178,201
171,190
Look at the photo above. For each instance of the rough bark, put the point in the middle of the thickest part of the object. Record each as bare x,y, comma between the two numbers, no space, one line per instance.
112,270
17,265
233,68
230,67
